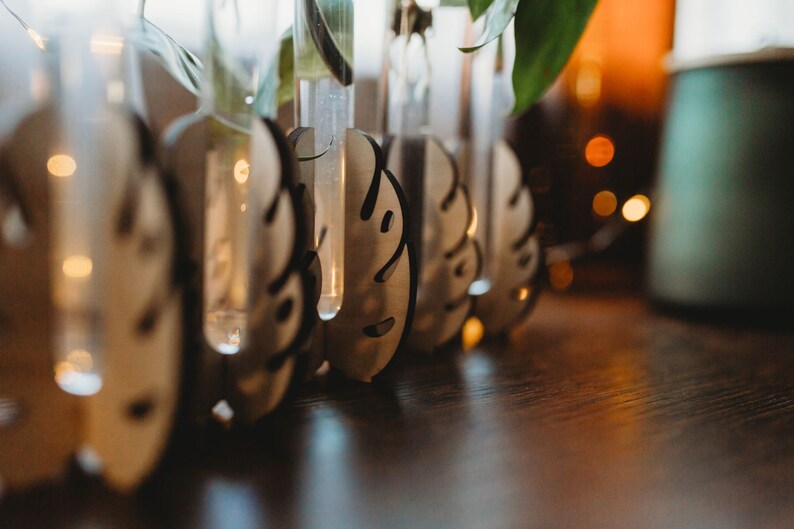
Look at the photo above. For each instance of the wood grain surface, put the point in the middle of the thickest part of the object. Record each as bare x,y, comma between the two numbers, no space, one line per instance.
596,413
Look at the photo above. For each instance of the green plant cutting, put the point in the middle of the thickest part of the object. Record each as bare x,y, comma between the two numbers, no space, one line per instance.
546,32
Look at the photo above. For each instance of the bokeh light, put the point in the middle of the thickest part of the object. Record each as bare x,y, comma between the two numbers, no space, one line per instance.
522,294
472,229
636,208
588,83
241,171
599,151
605,203
77,266
61,165
561,275
473,333
75,374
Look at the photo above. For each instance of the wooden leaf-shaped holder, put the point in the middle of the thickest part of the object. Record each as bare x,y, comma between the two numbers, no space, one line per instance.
254,380
379,288
448,259
127,423
514,286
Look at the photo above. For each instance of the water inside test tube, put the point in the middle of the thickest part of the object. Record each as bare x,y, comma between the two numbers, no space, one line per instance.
239,82
326,105
503,100
480,170
227,243
225,329
82,188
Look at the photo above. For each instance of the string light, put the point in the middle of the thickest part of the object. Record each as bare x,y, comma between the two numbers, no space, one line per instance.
522,294
588,83
605,203
636,208
77,267
599,151
473,333
561,275
61,165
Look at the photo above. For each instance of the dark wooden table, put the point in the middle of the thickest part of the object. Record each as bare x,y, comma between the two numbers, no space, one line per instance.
598,413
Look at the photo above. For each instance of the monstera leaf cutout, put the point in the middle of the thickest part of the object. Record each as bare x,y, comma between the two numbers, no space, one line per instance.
127,424
39,423
256,379
514,286
282,316
448,259
379,277
302,140
130,419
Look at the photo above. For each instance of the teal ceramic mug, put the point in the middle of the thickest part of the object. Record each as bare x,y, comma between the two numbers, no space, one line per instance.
722,233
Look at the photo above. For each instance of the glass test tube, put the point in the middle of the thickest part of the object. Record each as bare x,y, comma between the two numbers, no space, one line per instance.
462,115
406,116
479,173
447,106
324,101
503,102
84,44
240,83
408,71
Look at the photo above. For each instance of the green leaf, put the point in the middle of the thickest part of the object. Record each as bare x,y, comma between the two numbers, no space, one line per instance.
546,33
286,68
497,18
478,7
183,66
277,85
328,50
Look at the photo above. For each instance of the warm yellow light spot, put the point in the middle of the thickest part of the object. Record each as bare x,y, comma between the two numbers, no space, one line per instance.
77,266
62,371
77,362
472,229
107,44
75,374
81,360
243,207
561,275
522,294
241,171
473,333
605,203
588,83
36,38
636,208
61,165
599,151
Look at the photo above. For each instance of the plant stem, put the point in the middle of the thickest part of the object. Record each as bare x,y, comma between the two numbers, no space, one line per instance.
19,19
